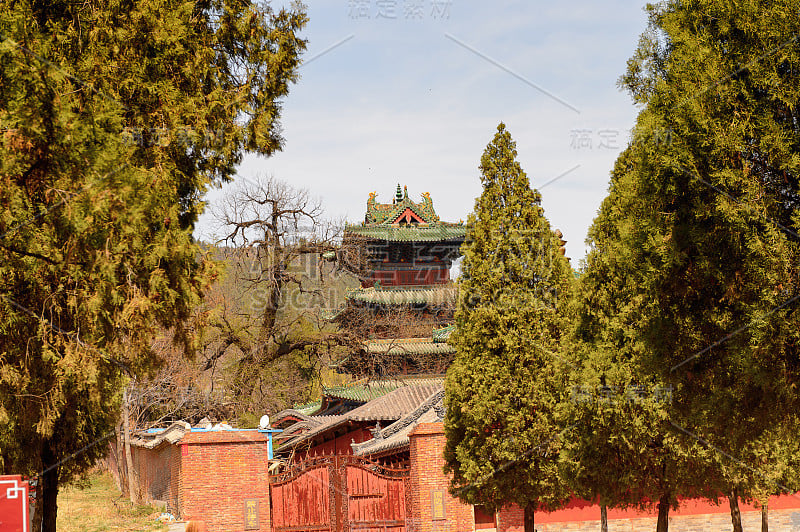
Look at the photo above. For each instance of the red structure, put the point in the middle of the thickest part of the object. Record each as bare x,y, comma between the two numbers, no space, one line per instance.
14,507
406,243
368,456
224,479
349,493
220,477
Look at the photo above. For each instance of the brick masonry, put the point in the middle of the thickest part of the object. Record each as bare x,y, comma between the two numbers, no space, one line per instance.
779,521
209,476
156,477
427,478
220,474
433,509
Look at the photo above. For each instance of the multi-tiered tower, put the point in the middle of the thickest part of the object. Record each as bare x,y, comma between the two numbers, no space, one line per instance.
406,290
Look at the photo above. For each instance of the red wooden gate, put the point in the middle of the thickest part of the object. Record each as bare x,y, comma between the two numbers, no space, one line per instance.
339,494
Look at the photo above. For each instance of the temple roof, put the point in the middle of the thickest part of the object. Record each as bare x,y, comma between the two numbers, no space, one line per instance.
389,407
409,233
443,334
395,436
404,220
441,295
367,390
408,346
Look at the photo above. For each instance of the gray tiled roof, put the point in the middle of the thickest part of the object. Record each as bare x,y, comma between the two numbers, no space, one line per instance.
172,434
395,436
390,407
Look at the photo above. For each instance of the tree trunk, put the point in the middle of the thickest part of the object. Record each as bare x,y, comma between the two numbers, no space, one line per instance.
663,514
764,517
603,518
47,490
122,473
128,457
528,519
736,515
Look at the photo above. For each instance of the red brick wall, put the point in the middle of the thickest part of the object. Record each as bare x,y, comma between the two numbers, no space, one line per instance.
218,472
693,514
512,519
175,484
429,485
153,472
427,445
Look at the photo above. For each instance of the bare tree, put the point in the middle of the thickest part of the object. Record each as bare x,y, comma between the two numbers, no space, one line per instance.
278,246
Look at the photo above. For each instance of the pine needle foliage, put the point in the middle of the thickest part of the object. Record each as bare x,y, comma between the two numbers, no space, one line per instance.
696,247
506,384
115,117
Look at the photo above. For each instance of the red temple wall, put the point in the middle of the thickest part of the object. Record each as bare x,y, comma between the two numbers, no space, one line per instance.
338,445
403,277
428,481
221,473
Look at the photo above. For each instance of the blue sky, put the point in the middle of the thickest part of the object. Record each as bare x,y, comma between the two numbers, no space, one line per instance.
411,91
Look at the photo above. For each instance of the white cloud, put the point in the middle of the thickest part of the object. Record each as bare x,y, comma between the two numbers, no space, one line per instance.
400,102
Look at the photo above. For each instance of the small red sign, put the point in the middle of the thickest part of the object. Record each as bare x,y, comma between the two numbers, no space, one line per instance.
14,504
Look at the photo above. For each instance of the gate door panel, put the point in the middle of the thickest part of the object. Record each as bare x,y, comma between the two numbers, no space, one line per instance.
340,493
301,498
376,497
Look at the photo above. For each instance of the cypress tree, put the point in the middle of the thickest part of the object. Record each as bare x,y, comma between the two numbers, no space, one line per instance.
624,452
705,243
504,388
115,117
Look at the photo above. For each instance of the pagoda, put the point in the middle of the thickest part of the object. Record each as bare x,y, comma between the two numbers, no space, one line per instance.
405,286
407,245
403,311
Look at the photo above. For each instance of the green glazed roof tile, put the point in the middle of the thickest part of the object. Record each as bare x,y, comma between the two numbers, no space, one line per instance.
442,335
309,408
409,233
444,295
410,346
367,391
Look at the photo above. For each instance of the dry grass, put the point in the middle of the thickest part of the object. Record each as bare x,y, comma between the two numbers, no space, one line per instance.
100,508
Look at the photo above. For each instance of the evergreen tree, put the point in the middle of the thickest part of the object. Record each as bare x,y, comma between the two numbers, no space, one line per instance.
624,452
707,231
114,119
504,388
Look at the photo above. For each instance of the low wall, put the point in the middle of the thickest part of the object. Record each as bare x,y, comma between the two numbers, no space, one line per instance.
155,479
224,480
218,477
434,510
221,478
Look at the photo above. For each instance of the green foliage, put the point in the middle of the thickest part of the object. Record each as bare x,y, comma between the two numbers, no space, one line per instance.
114,119
504,388
692,279
623,450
